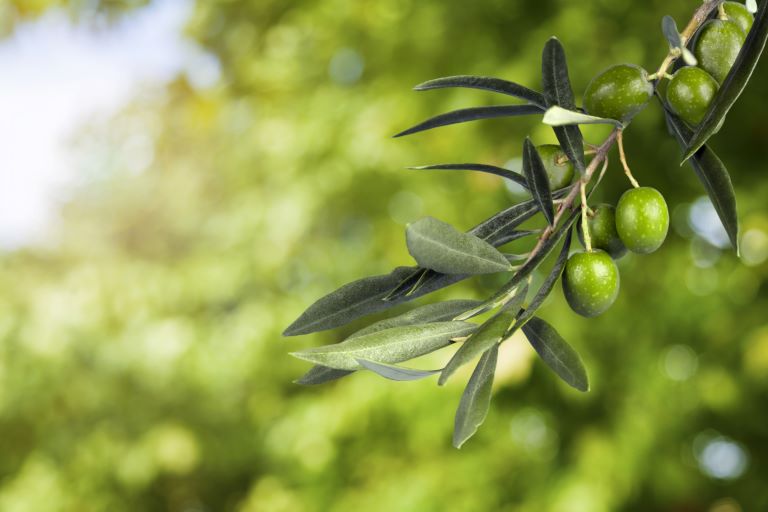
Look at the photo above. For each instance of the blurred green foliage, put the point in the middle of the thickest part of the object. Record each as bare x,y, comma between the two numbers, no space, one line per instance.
141,363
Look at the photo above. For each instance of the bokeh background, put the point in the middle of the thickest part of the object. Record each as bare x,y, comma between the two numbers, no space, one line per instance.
181,179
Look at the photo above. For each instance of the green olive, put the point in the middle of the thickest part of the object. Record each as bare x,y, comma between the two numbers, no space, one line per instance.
618,93
559,168
590,282
602,231
642,219
717,46
739,14
690,92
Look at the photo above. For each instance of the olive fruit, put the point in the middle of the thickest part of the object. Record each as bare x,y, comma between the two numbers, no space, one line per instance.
618,93
559,168
739,14
717,47
690,93
602,231
590,282
642,219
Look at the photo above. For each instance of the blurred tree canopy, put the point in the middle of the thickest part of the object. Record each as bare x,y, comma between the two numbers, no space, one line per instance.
141,363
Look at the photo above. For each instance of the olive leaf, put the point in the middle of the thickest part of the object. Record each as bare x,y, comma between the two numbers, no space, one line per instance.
558,116
319,374
393,372
490,169
476,399
712,174
733,85
437,312
558,92
538,180
487,84
488,334
392,345
556,353
472,114
669,28
752,6
349,302
439,246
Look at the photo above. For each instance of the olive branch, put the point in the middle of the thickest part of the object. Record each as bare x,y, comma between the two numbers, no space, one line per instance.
445,255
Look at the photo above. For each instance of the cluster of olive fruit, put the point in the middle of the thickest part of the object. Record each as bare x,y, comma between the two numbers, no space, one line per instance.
716,46
622,91
639,223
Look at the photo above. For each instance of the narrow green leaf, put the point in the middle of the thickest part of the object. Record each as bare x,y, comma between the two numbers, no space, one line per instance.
556,353
733,85
437,312
472,114
558,116
319,374
572,142
439,246
476,399
558,92
669,29
490,169
538,180
555,79
496,229
487,84
389,346
351,301
546,286
486,336
393,372
713,176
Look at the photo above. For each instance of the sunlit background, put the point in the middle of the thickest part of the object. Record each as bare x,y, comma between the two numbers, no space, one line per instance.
181,179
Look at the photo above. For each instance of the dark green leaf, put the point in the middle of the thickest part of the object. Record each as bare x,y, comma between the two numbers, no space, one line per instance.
572,142
487,335
511,236
486,84
490,169
558,91
555,80
713,176
733,85
538,180
319,374
556,353
392,372
389,346
351,301
476,400
669,29
439,246
546,287
437,312
472,114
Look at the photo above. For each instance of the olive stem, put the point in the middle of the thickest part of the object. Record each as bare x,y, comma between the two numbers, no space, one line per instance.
721,14
698,19
623,158
584,222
